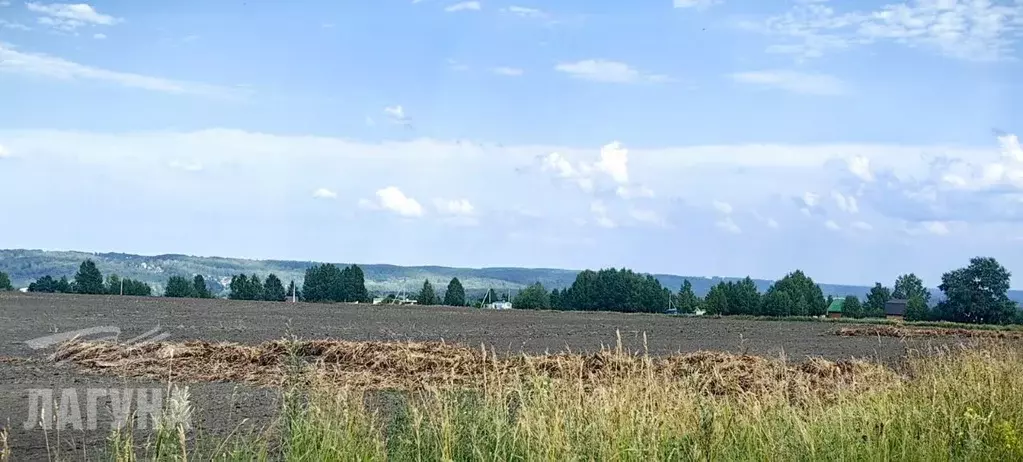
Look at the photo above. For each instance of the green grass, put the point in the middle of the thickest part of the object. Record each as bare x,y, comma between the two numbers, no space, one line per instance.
947,405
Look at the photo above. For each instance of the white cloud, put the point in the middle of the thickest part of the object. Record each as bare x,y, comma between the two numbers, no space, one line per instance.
5,24
324,193
771,223
862,225
936,227
830,224
599,70
792,81
524,12
614,161
979,30
4,152
810,199
457,66
698,4
845,203
396,114
723,207
188,166
454,207
391,198
647,216
99,36
728,225
599,211
508,71
41,65
464,6
5,3
860,166
68,17
637,192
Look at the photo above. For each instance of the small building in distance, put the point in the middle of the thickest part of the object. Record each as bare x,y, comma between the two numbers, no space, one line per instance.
895,309
499,305
835,308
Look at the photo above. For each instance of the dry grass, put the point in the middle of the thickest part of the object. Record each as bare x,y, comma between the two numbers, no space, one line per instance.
907,332
414,366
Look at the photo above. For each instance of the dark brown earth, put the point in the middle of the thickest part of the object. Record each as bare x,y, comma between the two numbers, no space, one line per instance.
222,406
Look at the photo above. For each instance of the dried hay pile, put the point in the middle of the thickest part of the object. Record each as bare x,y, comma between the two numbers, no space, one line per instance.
907,332
414,365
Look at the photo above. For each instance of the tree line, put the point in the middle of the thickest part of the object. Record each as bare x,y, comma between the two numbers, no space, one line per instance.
89,280
976,293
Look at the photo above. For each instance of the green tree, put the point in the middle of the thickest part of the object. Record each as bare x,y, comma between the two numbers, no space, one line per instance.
45,284
113,286
64,287
776,303
455,294
489,297
426,295
534,297
5,282
556,300
851,307
688,302
136,288
353,285
239,288
273,289
716,301
798,285
323,283
200,288
916,309
293,291
908,286
977,293
877,298
744,298
179,287
89,280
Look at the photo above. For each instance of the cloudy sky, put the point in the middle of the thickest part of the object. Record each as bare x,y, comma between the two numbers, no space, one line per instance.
854,140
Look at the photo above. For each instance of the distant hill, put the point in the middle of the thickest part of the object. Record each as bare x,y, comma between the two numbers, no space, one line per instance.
25,266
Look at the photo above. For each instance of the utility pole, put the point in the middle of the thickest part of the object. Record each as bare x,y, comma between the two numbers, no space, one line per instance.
122,286
293,289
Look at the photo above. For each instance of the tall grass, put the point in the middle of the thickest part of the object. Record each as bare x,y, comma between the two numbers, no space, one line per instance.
955,404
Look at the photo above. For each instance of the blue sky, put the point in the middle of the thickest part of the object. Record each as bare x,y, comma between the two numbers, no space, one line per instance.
854,140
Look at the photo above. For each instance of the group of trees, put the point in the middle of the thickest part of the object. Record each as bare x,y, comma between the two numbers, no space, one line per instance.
327,283
251,288
181,287
793,295
5,282
89,280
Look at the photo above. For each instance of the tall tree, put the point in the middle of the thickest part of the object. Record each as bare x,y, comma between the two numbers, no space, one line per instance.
240,288
916,309
744,297
455,294
426,295
355,286
556,300
716,301
908,286
977,293
851,307
179,287
113,285
688,302
323,283
534,297
200,288
876,300
798,285
5,281
64,287
776,302
89,280
273,289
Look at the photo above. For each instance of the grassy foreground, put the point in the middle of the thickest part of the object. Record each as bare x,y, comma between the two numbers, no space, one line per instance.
960,404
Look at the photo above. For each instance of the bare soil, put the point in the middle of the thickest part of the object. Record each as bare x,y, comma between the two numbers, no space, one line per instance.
221,406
